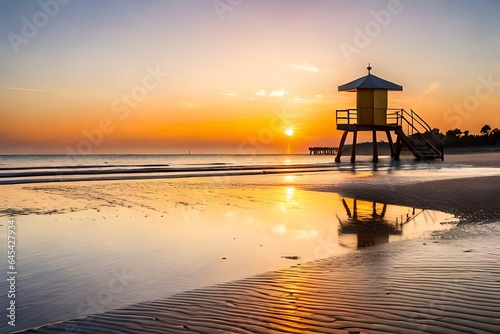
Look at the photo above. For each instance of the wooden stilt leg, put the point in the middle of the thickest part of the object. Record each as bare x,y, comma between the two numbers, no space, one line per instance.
353,152
391,144
346,208
384,209
398,148
341,146
375,151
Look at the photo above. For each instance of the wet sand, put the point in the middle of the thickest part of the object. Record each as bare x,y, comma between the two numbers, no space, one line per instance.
473,199
439,286
448,282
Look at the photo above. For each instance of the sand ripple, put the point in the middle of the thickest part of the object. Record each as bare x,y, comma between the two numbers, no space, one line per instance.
445,286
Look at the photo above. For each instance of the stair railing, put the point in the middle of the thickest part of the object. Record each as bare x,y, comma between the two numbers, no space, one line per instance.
412,119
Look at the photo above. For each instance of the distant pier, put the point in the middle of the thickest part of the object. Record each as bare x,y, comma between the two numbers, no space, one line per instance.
323,150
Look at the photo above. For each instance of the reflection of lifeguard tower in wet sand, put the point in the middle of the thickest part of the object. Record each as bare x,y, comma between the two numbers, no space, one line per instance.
372,114
368,221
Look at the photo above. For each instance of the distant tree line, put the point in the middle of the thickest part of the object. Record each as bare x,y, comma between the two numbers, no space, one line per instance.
459,138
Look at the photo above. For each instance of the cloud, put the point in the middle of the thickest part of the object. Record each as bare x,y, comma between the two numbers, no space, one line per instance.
47,91
32,90
230,94
273,93
301,100
312,99
278,93
187,105
306,67
434,86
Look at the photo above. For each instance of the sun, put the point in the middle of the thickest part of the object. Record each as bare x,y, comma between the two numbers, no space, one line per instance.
289,132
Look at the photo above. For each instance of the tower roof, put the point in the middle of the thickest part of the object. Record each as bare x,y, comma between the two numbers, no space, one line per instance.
369,82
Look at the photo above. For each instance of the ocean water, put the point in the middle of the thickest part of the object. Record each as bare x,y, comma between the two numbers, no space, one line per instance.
161,160
55,168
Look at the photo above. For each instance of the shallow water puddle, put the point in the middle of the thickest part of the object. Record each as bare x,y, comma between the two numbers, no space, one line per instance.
366,223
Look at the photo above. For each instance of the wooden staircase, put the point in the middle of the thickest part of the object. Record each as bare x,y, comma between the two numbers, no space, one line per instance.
419,139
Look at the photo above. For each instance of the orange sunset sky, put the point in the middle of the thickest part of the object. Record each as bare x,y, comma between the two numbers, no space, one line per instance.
230,76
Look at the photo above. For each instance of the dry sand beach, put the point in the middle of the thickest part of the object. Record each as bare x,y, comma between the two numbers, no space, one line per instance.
444,278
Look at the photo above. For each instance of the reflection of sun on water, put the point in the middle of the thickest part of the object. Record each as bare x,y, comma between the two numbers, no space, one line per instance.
230,214
289,133
280,229
306,234
288,200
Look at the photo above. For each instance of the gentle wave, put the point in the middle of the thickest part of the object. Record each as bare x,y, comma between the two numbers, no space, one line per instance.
78,167
96,174
33,172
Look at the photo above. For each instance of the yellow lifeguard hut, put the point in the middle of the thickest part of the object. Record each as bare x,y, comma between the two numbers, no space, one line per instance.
372,114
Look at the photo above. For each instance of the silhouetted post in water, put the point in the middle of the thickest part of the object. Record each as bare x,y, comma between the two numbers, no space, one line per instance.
372,114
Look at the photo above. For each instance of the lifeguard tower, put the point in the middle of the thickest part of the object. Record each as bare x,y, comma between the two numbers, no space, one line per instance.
372,114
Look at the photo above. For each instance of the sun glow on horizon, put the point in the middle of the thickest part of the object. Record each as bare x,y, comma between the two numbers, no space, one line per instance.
264,80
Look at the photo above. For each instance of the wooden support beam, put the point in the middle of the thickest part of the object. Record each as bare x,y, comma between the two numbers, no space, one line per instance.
375,150
384,209
341,146
353,151
391,144
347,210
399,146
